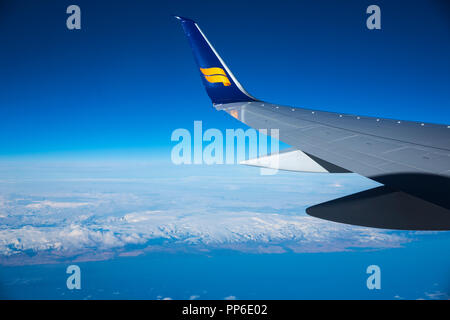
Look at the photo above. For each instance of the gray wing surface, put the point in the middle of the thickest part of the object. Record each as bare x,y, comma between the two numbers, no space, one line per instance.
411,159
365,145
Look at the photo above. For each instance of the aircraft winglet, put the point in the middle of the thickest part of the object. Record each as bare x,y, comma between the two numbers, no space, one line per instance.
221,85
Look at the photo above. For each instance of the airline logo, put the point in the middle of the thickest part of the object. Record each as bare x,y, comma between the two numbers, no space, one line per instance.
234,114
216,75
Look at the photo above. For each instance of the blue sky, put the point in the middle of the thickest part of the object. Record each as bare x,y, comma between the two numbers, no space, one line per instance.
127,79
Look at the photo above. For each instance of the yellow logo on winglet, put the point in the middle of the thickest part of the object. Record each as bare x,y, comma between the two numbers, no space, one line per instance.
215,75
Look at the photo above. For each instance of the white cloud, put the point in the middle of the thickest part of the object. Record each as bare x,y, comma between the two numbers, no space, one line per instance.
54,204
223,228
437,295
246,213
137,217
230,298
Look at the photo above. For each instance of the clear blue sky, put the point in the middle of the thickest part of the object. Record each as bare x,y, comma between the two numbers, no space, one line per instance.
128,79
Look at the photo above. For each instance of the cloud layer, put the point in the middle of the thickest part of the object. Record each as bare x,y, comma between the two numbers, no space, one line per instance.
97,218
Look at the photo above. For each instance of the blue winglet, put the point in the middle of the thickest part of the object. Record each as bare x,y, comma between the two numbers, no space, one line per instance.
220,83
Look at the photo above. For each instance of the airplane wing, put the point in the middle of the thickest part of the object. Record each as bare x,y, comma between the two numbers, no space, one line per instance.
410,159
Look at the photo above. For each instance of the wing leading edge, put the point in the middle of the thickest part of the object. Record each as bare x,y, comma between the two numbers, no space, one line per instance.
411,159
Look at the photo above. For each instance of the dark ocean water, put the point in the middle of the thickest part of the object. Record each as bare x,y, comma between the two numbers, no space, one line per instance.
419,270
